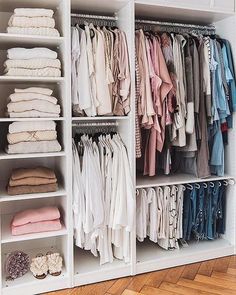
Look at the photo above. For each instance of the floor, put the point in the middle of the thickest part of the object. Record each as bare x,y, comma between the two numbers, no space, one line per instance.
210,277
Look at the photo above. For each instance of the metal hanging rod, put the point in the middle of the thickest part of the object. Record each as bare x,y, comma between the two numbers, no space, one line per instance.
93,16
180,25
95,124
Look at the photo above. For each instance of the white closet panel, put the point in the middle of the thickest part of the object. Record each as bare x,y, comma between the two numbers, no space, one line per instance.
200,4
228,5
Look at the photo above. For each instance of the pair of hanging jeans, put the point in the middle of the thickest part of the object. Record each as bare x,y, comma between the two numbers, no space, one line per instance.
199,221
190,201
220,218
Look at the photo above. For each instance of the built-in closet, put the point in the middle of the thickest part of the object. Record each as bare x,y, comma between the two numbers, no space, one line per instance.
80,267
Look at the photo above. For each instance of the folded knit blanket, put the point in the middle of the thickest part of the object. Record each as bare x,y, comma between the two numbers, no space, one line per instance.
28,189
31,105
26,96
46,72
34,147
34,31
33,63
38,90
43,172
31,181
37,227
31,22
36,215
32,114
16,127
25,53
33,12
31,136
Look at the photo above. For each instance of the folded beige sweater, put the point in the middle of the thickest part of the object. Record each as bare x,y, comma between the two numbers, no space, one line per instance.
38,90
46,72
31,105
31,22
17,127
33,12
39,63
42,172
31,136
32,189
31,181
34,147
25,96
32,114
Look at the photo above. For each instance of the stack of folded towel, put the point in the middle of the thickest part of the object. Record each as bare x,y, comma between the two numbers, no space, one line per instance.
32,21
34,62
32,180
33,102
36,220
32,137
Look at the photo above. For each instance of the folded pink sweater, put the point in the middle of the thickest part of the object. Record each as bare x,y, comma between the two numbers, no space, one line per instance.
37,227
35,215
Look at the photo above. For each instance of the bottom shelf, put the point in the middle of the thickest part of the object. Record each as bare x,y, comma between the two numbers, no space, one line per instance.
88,270
151,257
28,284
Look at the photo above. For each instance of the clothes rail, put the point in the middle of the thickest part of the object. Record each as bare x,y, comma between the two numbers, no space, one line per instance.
96,124
92,16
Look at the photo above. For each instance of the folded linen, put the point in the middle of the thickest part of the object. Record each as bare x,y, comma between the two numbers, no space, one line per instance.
42,172
31,22
34,31
38,90
28,189
46,72
33,114
37,227
36,215
38,63
26,96
34,147
33,105
25,53
17,127
33,12
31,136
31,181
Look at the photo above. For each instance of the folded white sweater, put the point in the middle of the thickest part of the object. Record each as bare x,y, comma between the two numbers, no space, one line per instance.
26,96
37,52
33,114
31,105
35,63
31,22
31,136
33,12
16,127
46,72
39,90
49,32
34,147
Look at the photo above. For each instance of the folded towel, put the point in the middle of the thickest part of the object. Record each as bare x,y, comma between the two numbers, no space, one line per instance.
37,52
17,127
31,22
26,96
32,114
34,31
46,72
28,189
42,172
36,215
31,136
37,227
31,181
33,105
33,12
38,90
38,63
34,147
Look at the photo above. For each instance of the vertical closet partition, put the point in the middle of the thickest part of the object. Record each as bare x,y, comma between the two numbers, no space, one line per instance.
80,267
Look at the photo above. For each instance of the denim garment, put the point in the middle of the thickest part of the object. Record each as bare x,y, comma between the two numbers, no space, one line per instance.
199,223
215,198
208,232
220,222
188,213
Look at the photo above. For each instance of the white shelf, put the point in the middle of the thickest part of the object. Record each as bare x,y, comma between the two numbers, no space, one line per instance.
28,284
5,156
88,269
162,180
108,118
31,79
8,40
30,119
150,257
7,237
4,197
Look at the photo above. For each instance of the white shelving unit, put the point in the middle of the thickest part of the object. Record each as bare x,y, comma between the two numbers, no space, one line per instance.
80,267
